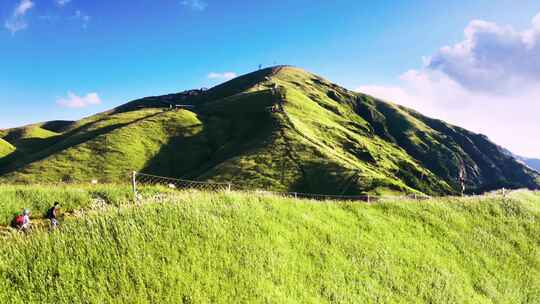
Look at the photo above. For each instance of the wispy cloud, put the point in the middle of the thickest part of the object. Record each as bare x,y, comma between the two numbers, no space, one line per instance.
84,18
74,101
196,5
62,2
489,83
222,76
16,22
23,7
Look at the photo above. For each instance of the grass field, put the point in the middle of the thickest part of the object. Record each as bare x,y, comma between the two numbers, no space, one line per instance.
194,247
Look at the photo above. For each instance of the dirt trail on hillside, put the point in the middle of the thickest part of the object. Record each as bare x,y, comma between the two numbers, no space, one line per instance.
97,206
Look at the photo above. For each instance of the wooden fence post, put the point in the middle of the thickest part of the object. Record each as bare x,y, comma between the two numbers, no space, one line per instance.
134,185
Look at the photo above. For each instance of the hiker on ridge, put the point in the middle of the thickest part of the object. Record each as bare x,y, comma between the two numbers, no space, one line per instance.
26,220
52,214
21,222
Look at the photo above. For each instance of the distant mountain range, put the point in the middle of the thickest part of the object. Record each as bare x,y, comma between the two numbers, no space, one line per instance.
280,128
532,163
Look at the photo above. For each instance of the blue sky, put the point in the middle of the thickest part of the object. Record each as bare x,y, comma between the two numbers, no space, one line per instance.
65,59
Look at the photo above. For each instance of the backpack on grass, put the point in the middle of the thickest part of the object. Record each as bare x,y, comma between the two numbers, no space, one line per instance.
18,221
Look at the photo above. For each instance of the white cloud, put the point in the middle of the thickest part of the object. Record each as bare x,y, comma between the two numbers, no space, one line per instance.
15,25
488,83
492,57
62,2
196,5
74,101
222,76
16,22
23,7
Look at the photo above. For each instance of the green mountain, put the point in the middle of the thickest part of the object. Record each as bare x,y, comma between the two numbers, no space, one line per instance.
280,128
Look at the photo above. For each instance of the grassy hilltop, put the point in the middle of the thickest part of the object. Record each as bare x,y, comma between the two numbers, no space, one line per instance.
196,247
280,129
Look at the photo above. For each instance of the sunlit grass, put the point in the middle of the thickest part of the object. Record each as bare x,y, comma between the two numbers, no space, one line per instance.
196,247
5,148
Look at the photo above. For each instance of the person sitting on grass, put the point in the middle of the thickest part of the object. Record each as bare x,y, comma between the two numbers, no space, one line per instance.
52,214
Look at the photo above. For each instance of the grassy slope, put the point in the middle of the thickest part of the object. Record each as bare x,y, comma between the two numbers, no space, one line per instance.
344,142
171,143
388,142
27,141
13,199
131,139
28,138
327,140
5,148
199,247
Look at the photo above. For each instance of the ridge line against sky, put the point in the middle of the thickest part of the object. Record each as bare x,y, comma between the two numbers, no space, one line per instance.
472,64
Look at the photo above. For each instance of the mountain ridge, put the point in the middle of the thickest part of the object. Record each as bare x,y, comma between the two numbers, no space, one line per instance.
280,128
533,163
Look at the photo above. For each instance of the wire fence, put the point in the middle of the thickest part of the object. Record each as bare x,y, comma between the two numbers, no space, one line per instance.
142,179
368,198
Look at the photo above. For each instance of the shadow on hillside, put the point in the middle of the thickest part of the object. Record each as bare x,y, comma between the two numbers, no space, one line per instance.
18,160
57,126
230,128
28,145
328,179
445,152
183,153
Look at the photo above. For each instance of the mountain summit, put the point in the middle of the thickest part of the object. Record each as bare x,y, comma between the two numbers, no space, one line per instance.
280,128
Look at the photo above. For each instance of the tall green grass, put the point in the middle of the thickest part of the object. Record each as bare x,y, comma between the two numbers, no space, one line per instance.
39,198
194,247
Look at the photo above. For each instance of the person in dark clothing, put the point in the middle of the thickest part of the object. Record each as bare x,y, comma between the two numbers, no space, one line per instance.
52,215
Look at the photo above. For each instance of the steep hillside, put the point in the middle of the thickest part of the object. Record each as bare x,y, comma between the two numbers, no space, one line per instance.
280,128
195,247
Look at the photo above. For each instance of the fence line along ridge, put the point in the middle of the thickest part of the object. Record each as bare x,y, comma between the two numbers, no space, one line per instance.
177,183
